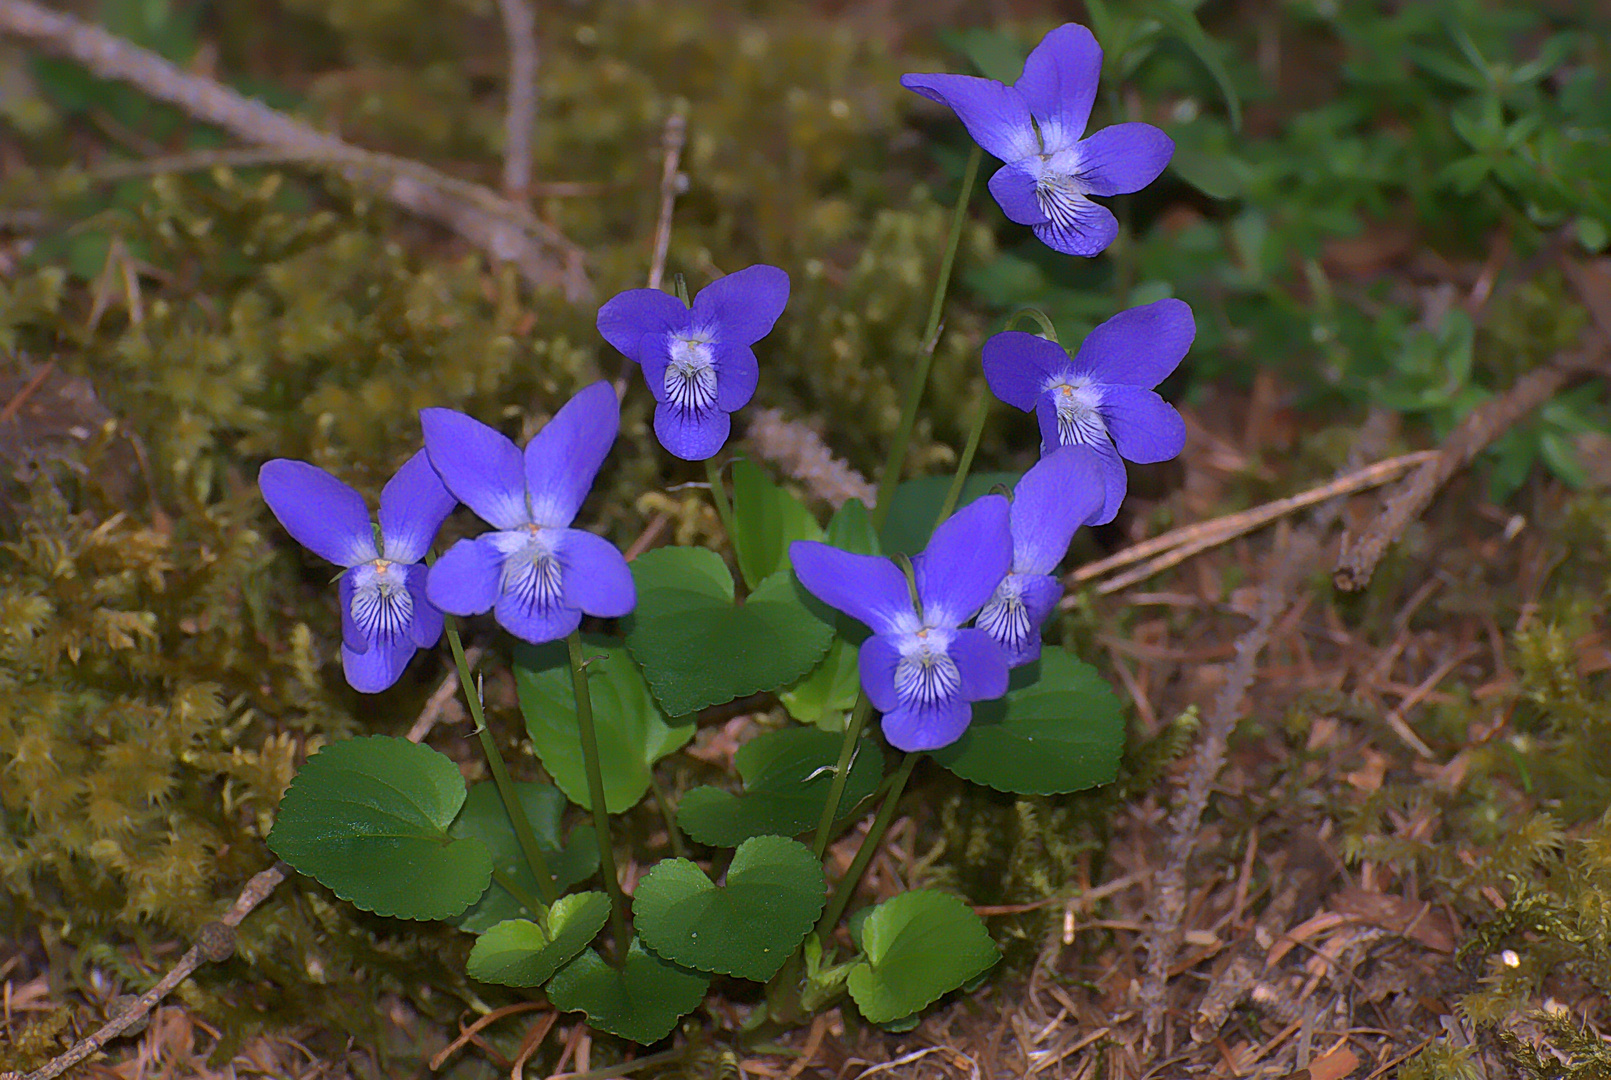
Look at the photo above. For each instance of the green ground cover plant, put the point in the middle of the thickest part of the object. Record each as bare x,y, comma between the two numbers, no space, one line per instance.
173,713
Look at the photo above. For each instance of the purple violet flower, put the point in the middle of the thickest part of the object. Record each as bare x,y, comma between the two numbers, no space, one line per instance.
535,573
385,615
1101,397
697,360
1051,501
920,669
1034,127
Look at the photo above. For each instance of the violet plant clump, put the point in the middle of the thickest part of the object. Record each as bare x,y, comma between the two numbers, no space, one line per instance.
392,827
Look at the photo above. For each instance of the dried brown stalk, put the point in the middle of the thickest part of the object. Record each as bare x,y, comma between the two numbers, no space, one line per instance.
1359,556
1177,545
671,143
503,229
802,454
520,112
1163,939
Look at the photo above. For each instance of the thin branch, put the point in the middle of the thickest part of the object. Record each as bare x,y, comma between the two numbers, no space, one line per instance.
1179,544
671,143
520,116
506,231
1359,556
215,943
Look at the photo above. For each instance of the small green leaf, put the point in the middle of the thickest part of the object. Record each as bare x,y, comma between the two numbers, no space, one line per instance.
918,946
485,819
747,927
1183,22
766,519
916,506
851,529
787,775
368,818
632,734
698,647
640,1001
1059,733
520,952
827,695
993,53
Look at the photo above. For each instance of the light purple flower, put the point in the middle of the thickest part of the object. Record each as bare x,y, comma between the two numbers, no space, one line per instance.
920,669
1034,126
697,360
385,614
1102,396
535,573
1053,499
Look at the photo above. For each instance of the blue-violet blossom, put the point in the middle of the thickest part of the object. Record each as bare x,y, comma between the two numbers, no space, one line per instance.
1051,501
535,573
920,669
1102,396
1034,127
385,615
697,360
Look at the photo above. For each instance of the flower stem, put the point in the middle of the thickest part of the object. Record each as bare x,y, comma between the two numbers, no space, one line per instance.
891,475
678,848
500,775
869,846
595,795
841,773
724,510
981,411
533,906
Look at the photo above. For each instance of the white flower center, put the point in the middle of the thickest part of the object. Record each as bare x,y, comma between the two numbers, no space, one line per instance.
691,375
531,569
1078,419
1005,618
926,673
382,606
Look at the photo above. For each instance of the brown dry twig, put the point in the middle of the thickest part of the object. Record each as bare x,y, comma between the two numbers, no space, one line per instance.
520,112
1177,545
1170,906
506,231
215,943
1359,555
671,143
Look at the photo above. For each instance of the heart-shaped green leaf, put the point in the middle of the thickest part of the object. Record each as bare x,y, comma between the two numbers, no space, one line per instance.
787,775
368,818
915,508
917,946
826,696
851,529
641,1000
523,952
1059,733
697,647
485,819
774,892
632,733
766,519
